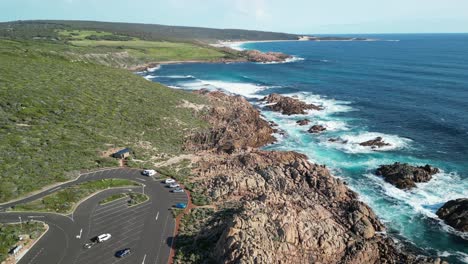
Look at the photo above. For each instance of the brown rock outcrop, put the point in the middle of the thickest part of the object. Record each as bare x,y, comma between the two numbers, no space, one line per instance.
234,125
287,105
405,176
455,214
286,209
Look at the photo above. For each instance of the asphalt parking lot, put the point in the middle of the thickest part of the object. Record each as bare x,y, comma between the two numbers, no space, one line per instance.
147,229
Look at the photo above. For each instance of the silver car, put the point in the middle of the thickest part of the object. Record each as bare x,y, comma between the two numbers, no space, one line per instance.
178,190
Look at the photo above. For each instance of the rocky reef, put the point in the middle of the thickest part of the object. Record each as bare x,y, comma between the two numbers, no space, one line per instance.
303,122
315,129
288,105
455,214
282,208
405,176
265,57
375,143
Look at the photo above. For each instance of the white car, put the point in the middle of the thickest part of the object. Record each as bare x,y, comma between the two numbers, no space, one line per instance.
174,185
168,181
149,172
103,237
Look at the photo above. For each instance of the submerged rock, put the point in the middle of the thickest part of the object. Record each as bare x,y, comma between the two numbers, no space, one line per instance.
375,143
287,105
303,122
405,176
316,129
455,214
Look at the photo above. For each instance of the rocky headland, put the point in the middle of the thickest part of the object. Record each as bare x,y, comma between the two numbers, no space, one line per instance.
405,176
277,207
455,214
288,105
265,57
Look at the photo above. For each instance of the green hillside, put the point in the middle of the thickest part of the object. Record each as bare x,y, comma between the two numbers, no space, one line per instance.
47,28
57,115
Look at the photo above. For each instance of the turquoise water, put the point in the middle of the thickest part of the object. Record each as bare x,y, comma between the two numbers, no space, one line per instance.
412,92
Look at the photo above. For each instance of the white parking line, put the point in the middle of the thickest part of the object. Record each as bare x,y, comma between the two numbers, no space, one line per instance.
157,215
143,259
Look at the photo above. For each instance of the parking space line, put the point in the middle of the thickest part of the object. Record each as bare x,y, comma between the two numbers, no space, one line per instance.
118,212
102,208
111,210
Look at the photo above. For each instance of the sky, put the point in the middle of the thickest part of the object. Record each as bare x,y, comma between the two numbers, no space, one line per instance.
292,16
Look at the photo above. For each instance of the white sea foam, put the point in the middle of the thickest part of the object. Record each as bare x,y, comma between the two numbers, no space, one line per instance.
244,89
351,143
428,197
333,125
149,77
155,68
176,76
288,60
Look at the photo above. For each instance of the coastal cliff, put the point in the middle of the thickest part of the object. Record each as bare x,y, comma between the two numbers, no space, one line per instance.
277,207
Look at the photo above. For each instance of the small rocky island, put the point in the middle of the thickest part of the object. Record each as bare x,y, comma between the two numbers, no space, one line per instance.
288,105
405,176
455,214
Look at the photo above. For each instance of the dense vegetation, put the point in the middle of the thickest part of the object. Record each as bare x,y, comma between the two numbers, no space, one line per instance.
9,235
56,116
47,29
64,201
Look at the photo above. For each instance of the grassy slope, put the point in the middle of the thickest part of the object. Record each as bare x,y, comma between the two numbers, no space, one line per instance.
56,115
141,50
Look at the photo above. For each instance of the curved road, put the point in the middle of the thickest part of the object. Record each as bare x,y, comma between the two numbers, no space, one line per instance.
146,228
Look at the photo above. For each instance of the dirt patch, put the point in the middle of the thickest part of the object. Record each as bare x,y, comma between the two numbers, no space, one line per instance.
177,159
195,107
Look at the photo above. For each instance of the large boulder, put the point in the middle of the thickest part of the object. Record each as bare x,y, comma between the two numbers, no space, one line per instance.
455,214
405,176
287,105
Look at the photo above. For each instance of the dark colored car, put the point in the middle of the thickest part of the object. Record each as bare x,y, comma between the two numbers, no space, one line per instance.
122,253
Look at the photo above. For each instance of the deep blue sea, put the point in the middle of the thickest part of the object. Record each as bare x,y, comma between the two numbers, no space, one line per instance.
412,90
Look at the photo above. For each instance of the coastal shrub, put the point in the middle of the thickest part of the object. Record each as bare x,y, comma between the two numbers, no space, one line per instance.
56,116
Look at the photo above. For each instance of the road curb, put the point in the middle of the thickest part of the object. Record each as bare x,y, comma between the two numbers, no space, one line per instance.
177,225
35,241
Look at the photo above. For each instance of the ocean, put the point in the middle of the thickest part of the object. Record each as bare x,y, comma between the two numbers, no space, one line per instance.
412,90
